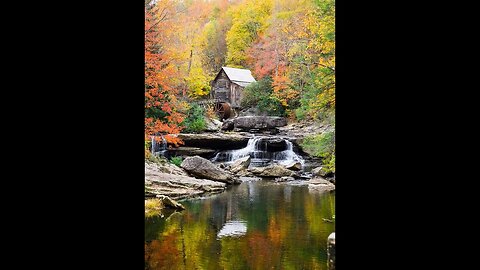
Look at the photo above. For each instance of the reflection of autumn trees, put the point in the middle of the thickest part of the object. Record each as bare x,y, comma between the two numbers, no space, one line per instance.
163,254
285,230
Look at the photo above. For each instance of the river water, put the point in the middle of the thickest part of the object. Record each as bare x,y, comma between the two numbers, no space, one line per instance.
254,225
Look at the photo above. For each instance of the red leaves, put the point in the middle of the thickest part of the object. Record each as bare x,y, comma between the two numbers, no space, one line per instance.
159,91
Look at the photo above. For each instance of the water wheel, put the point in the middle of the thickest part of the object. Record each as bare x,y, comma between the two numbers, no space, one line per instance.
223,110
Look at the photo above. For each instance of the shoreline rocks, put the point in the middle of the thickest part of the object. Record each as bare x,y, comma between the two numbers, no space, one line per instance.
176,186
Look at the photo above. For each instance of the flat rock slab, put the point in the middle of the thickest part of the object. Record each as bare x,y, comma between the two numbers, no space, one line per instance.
165,167
177,186
259,122
192,151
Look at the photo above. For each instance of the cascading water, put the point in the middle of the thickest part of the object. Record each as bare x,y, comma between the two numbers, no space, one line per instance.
287,155
263,151
159,149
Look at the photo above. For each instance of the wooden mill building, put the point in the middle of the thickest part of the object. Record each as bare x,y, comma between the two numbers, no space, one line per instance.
228,85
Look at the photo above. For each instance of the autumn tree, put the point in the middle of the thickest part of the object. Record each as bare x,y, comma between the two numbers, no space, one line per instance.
212,43
249,19
318,99
162,114
296,48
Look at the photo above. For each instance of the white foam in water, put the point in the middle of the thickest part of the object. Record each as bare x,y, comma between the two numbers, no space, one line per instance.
154,145
232,155
287,156
233,228
253,149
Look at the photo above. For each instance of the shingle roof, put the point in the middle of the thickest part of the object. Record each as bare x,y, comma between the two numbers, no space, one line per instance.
239,75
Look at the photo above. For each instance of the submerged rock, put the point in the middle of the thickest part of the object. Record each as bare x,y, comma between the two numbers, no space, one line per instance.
170,203
203,168
284,179
273,170
320,184
331,251
249,179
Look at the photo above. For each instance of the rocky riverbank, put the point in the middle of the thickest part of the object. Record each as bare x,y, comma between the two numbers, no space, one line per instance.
198,176
163,178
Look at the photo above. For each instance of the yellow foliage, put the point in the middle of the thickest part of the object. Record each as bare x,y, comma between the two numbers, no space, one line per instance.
249,19
210,113
197,83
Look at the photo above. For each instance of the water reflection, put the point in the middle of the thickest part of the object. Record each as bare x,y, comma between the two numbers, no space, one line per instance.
233,228
255,225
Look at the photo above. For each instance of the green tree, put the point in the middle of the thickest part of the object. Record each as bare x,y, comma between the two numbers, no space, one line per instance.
259,94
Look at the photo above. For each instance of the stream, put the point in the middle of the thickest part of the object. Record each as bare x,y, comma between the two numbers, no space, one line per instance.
254,225
258,224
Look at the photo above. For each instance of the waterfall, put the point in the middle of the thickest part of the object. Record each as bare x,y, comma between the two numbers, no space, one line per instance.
159,149
262,153
286,156
164,144
154,145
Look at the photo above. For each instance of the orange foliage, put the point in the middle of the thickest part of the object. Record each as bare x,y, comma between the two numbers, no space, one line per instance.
282,91
262,252
163,254
159,91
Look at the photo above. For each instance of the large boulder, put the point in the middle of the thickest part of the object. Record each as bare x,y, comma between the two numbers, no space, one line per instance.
220,141
240,164
203,168
273,170
259,122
